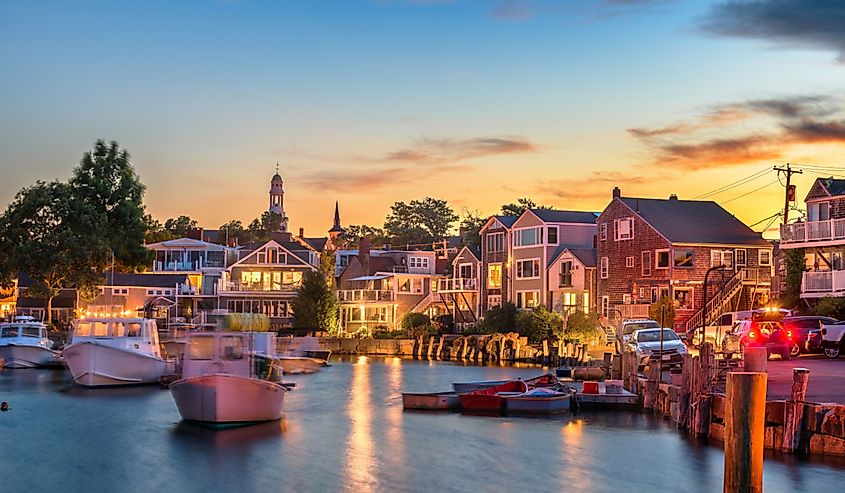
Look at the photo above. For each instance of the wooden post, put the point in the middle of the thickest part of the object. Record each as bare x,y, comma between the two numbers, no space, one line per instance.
745,416
545,350
793,410
430,347
439,354
560,355
704,384
755,359
465,348
686,385
653,375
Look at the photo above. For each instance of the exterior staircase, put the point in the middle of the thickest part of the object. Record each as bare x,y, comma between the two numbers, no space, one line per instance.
717,304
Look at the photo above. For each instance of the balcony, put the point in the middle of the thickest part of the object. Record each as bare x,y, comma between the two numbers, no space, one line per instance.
814,233
456,284
365,295
820,284
630,311
187,265
258,288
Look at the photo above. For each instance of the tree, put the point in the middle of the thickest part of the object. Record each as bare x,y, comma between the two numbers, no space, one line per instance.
831,307
471,224
353,233
56,238
416,324
538,323
180,226
795,267
315,306
521,205
233,232
655,311
262,228
106,181
582,327
499,319
154,231
419,221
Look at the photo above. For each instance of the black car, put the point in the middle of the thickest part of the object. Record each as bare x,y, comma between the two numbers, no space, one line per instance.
806,333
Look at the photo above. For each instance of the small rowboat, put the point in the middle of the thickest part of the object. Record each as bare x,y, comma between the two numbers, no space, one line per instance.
489,400
538,401
545,380
433,401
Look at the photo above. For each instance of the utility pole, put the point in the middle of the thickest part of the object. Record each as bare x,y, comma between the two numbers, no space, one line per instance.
788,171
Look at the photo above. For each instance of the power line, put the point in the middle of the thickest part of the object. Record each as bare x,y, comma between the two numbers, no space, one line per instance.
776,214
752,191
735,184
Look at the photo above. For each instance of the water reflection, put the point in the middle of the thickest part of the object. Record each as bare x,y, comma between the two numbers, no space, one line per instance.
359,454
216,437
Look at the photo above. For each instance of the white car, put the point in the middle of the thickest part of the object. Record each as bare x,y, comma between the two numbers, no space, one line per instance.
646,344
630,326
833,341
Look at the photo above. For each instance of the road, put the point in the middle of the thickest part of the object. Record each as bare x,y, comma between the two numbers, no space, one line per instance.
827,378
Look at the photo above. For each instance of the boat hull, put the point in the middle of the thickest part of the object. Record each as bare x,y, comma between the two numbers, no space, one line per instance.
473,386
295,364
223,398
321,354
19,356
537,405
436,401
489,400
95,365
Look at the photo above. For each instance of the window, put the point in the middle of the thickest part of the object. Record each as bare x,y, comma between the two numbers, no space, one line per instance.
201,348
120,291
527,299
603,231
30,331
82,329
418,262
551,235
13,331
495,242
159,292
643,294
151,292
566,274
661,259
683,299
231,348
722,257
655,295
741,257
624,229
604,268
465,271
494,300
605,305
494,276
646,261
629,261
684,259
818,212
528,269
528,236
765,258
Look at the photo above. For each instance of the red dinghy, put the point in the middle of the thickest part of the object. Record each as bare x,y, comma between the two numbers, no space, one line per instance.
489,400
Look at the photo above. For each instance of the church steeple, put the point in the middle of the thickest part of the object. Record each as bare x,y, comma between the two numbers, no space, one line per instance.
277,199
337,228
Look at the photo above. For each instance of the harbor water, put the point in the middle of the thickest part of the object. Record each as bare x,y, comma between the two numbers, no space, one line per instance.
345,430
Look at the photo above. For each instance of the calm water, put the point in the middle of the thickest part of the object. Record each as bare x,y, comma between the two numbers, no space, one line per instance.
345,431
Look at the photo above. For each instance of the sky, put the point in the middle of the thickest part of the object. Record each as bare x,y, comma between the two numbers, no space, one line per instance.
479,102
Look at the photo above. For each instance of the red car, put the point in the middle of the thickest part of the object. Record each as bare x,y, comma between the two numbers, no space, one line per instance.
772,335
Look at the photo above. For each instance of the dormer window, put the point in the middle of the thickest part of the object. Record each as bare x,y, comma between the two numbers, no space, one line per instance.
819,211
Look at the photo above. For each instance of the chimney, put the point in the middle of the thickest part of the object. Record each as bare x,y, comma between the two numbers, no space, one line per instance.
673,197
194,234
364,254
616,193
302,232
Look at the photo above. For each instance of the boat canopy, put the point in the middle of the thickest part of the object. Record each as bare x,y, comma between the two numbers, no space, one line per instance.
376,277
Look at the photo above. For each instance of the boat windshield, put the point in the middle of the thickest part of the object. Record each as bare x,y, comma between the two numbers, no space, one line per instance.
231,347
129,329
9,332
31,331
654,336
201,348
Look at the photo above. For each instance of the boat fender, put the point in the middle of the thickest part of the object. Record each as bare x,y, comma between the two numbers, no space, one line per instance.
4,406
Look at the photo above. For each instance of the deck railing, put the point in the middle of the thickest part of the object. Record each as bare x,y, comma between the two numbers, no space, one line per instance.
457,284
365,295
829,282
812,231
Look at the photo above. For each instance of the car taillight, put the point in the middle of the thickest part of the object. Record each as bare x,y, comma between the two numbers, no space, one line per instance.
789,334
752,335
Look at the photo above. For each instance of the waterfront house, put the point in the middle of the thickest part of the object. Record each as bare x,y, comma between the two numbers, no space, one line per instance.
459,292
496,247
572,280
536,237
150,295
653,248
822,238
62,306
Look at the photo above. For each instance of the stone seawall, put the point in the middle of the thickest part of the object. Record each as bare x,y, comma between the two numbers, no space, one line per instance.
371,347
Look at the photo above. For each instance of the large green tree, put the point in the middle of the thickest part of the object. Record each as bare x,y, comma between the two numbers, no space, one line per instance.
471,223
353,233
106,182
521,205
315,306
233,231
56,238
795,266
419,221
179,226
155,231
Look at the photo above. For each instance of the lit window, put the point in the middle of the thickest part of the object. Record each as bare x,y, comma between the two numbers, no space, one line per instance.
494,276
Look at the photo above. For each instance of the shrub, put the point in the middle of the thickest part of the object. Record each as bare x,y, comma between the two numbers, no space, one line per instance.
831,307
581,327
499,319
654,311
416,324
538,323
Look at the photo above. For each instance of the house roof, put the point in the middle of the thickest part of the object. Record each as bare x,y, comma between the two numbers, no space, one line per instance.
833,186
381,264
186,243
318,244
586,256
507,220
694,221
145,280
557,216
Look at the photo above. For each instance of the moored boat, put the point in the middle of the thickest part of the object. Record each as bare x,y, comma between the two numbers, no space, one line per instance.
544,380
432,401
217,384
115,351
538,401
489,399
24,344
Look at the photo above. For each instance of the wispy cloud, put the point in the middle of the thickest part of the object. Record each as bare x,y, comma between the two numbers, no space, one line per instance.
452,150
513,10
594,187
711,139
815,24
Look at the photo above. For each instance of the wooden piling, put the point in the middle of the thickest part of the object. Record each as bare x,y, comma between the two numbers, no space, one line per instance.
430,347
545,351
793,410
704,387
439,354
686,385
653,375
755,359
745,412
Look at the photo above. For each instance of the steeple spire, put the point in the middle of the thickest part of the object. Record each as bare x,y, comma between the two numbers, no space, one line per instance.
336,228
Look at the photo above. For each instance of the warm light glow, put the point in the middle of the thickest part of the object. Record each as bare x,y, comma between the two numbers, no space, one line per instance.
360,461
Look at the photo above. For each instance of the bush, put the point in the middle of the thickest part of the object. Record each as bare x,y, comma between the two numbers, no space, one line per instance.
499,319
415,324
831,307
538,323
581,328
389,334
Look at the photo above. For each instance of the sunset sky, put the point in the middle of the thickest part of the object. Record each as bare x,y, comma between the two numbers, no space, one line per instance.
475,101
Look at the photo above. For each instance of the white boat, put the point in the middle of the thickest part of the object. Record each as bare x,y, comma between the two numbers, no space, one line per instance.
115,351
293,362
24,344
538,401
217,385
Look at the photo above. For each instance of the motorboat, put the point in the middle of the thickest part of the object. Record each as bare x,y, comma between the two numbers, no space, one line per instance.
218,385
293,362
490,399
24,344
112,351
538,400
432,401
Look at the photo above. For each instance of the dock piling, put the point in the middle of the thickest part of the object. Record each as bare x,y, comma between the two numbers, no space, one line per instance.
745,413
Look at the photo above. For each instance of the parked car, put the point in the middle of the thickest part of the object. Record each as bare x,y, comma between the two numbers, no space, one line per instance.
646,343
806,331
833,341
725,322
770,334
630,326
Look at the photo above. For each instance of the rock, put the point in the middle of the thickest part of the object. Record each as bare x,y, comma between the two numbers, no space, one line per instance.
827,445
833,423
